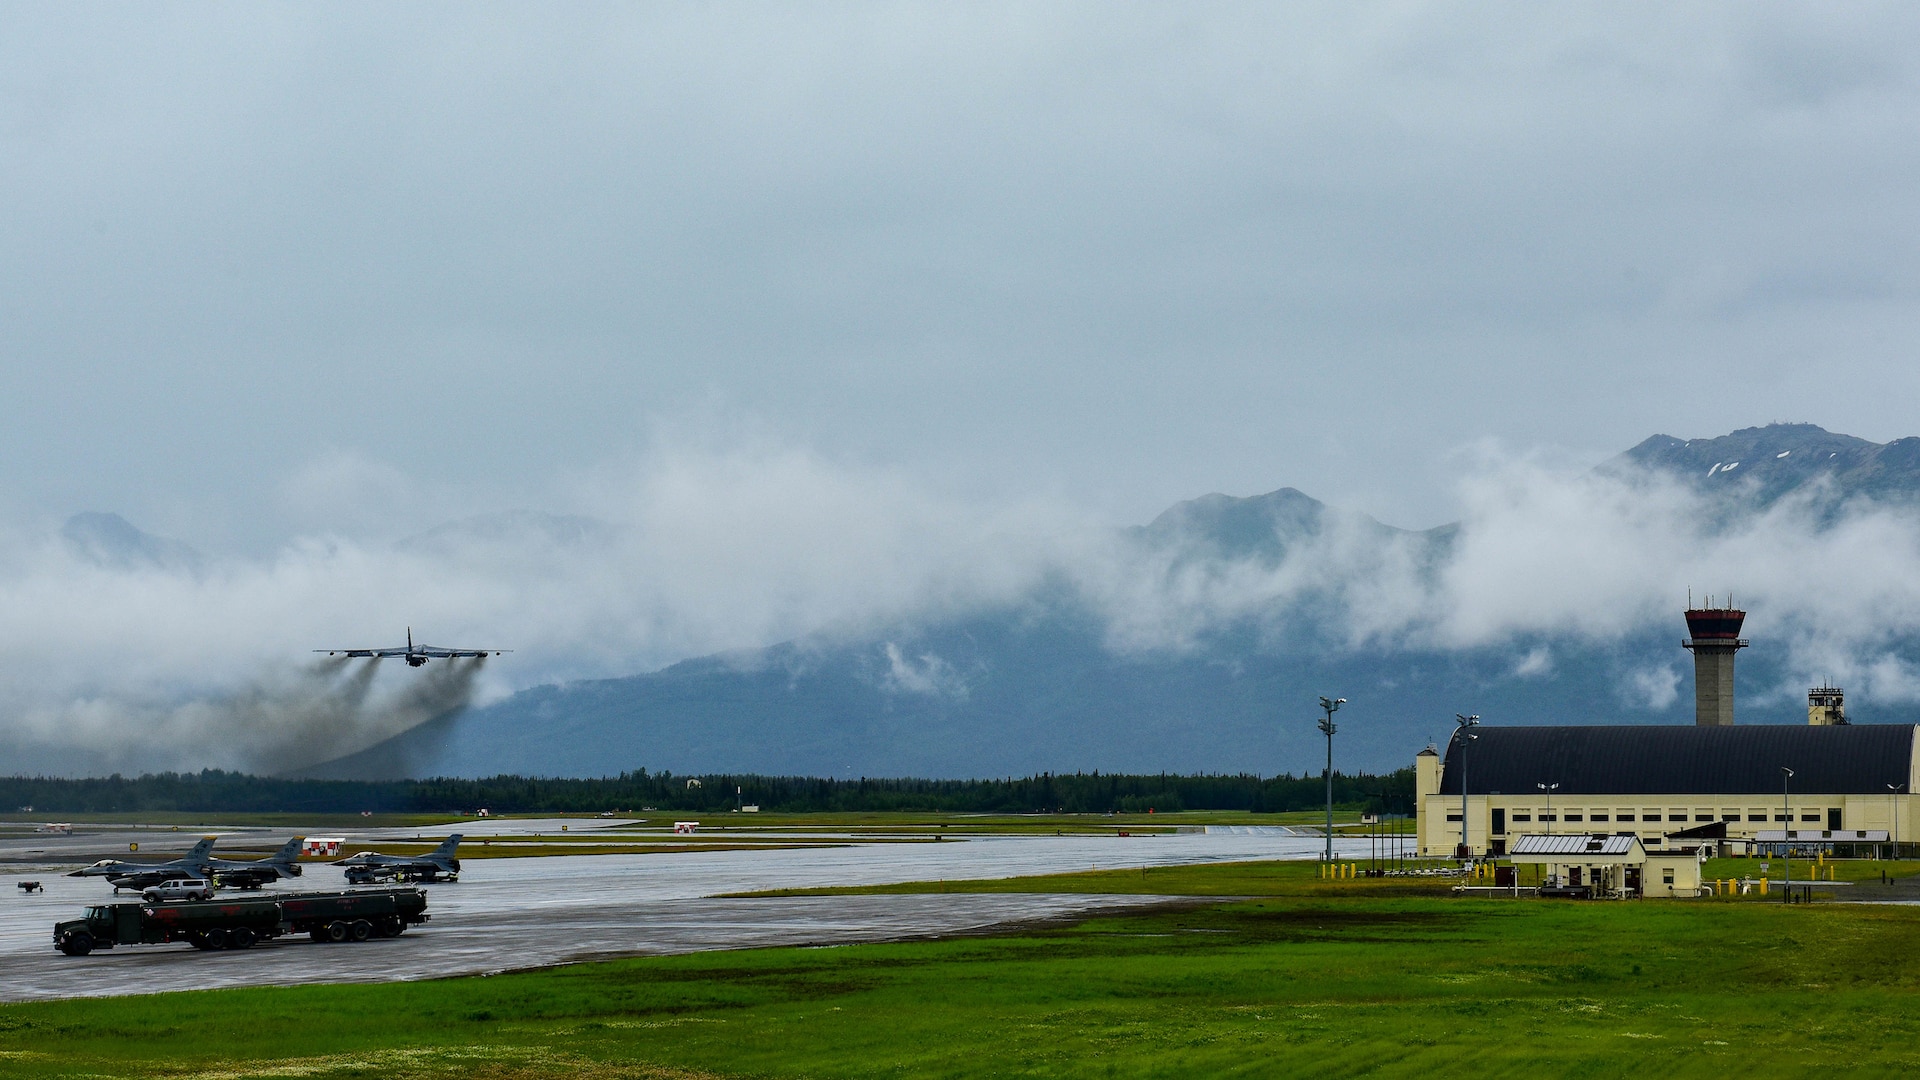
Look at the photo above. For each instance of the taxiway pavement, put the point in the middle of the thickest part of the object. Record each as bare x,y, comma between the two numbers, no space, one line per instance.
524,912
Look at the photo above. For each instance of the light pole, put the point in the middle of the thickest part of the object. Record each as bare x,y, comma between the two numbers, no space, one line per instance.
1893,815
1331,705
1786,848
1547,814
1465,736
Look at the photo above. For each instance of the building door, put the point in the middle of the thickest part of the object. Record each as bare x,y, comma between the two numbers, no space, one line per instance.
1633,881
1500,821
1833,820
1573,875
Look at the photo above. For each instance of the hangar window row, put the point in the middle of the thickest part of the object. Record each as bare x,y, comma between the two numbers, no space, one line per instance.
1680,816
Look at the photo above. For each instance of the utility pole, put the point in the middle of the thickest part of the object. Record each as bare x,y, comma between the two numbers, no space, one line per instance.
1547,814
1786,849
1465,735
1893,812
1331,705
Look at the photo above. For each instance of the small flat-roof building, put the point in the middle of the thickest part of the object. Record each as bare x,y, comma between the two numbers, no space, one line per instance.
1652,782
1609,864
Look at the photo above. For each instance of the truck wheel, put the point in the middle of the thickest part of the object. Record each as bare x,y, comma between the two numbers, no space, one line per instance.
361,929
77,944
391,926
215,938
337,931
243,938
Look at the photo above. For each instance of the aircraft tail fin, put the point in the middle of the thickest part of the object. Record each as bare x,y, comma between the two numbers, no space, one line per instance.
447,849
288,852
201,850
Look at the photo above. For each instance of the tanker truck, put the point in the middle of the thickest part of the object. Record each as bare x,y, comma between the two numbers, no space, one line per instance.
355,915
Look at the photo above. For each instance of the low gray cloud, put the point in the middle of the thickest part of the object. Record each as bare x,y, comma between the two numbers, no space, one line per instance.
1553,552
689,551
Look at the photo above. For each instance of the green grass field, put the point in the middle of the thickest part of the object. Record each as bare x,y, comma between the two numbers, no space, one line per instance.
1311,978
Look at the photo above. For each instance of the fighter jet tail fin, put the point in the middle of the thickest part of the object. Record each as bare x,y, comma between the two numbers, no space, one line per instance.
200,851
288,852
447,849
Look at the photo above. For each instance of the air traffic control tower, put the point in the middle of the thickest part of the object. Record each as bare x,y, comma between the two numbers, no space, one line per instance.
1715,638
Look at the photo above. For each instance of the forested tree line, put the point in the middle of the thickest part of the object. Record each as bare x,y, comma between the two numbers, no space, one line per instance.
215,791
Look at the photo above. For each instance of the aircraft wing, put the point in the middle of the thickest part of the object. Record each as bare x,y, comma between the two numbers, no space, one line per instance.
439,653
380,653
400,651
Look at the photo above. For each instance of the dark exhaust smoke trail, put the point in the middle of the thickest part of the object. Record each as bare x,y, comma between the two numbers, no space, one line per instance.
288,720
315,736
446,688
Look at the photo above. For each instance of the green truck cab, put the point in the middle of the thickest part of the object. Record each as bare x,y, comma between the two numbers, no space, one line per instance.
355,915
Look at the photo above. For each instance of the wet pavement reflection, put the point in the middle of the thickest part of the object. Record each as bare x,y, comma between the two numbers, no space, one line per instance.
524,912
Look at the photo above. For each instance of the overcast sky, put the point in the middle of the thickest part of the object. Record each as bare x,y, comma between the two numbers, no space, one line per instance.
272,269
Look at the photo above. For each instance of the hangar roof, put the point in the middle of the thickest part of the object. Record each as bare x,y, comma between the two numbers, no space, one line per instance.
1857,759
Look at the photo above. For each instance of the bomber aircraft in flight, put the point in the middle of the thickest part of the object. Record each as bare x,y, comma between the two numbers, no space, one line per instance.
371,866
415,655
138,875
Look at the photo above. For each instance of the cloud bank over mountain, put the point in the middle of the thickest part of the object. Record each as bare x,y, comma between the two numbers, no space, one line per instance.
689,551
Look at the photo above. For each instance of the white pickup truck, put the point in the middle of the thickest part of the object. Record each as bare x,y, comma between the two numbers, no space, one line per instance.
178,889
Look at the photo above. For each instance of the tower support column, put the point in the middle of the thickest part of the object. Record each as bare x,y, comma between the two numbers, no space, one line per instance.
1714,641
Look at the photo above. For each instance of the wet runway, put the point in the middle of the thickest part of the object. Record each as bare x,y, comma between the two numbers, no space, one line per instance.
515,913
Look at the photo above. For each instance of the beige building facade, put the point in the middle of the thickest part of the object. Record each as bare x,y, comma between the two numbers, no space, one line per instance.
1653,782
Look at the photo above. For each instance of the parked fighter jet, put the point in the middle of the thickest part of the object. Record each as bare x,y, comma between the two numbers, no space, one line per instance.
371,866
138,875
415,655
251,874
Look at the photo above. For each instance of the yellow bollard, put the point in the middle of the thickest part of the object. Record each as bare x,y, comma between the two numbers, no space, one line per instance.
1763,886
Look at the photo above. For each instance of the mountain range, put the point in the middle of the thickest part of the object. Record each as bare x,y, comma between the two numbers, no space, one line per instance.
1046,682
